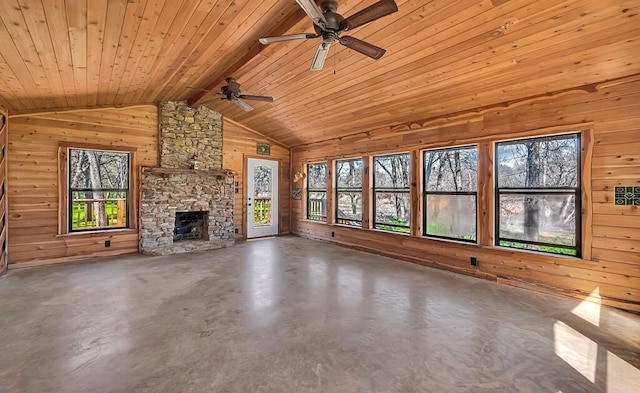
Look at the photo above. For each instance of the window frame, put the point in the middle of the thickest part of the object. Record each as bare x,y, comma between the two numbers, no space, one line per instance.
310,190
65,215
425,193
337,189
375,190
576,192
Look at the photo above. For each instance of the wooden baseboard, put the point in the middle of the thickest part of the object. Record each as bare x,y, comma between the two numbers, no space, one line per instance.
633,307
78,258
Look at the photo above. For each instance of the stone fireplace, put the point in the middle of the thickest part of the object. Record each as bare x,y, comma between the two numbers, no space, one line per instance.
187,202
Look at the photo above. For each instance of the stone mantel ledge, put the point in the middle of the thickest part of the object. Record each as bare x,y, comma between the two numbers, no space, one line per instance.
181,171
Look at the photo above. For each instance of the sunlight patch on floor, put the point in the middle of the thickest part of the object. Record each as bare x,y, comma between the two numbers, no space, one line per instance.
621,376
578,351
589,309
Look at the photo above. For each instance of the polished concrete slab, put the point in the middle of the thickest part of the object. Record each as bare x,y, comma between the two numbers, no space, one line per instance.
294,315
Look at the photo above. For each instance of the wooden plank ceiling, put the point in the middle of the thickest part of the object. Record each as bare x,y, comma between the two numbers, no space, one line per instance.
443,57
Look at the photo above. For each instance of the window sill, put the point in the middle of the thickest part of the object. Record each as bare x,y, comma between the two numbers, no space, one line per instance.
455,241
541,254
101,232
390,232
314,221
348,226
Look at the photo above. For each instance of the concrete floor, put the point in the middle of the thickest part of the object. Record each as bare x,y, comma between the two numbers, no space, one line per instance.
293,315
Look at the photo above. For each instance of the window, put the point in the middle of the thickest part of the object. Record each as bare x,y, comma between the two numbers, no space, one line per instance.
317,191
349,192
99,196
538,194
450,193
391,192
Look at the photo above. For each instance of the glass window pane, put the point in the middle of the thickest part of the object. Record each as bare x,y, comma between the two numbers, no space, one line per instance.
317,205
92,209
538,162
317,176
349,173
392,171
98,169
539,218
349,207
392,208
451,216
451,169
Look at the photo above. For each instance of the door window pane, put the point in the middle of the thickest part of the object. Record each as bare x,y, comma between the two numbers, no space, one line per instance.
262,183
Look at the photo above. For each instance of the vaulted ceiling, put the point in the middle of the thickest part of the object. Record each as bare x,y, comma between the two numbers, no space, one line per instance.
443,57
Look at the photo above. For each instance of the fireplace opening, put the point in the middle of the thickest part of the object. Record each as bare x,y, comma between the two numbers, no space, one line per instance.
191,226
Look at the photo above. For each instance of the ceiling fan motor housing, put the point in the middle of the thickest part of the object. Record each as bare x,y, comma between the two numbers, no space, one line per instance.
334,20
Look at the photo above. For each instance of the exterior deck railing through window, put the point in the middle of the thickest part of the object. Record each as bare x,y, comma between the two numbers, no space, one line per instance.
262,210
98,213
317,209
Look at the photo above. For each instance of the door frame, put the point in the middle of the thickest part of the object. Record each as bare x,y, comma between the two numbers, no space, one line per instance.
245,175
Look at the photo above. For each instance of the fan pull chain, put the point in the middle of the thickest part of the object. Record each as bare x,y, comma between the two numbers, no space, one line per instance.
334,59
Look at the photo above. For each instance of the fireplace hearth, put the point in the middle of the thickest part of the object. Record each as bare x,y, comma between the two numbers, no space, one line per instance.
191,226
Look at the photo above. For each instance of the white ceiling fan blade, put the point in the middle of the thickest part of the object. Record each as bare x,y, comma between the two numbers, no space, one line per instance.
289,37
242,104
315,13
320,57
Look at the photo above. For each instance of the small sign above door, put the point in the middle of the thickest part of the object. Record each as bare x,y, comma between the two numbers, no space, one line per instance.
263,149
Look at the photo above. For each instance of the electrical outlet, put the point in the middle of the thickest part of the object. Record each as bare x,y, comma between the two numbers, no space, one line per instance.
473,261
236,230
333,234
107,243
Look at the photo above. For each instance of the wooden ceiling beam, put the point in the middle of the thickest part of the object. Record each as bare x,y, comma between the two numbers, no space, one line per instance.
254,50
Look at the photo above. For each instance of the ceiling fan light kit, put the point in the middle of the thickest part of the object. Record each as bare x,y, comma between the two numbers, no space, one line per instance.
329,25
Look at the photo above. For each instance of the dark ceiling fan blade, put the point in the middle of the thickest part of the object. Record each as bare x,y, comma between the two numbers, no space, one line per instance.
369,14
320,57
242,104
234,87
207,102
290,37
256,98
365,48
315,13
199,89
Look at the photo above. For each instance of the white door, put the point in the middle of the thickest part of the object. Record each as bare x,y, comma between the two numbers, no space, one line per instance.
262,197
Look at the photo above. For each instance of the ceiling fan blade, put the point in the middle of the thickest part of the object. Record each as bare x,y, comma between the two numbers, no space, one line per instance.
369,14
199,89
315,13
242,104
234,87
256,98
320,57
290,37
365,48
211,101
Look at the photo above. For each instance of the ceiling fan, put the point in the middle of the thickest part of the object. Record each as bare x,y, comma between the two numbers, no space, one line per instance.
329,25
231,92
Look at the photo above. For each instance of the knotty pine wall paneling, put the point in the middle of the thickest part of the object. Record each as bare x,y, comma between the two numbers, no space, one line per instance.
33,187
238,143
4,231
610,266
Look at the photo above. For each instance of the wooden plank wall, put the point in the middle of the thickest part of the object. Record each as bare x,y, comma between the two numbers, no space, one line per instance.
612,237
4,121
238,143
33,178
